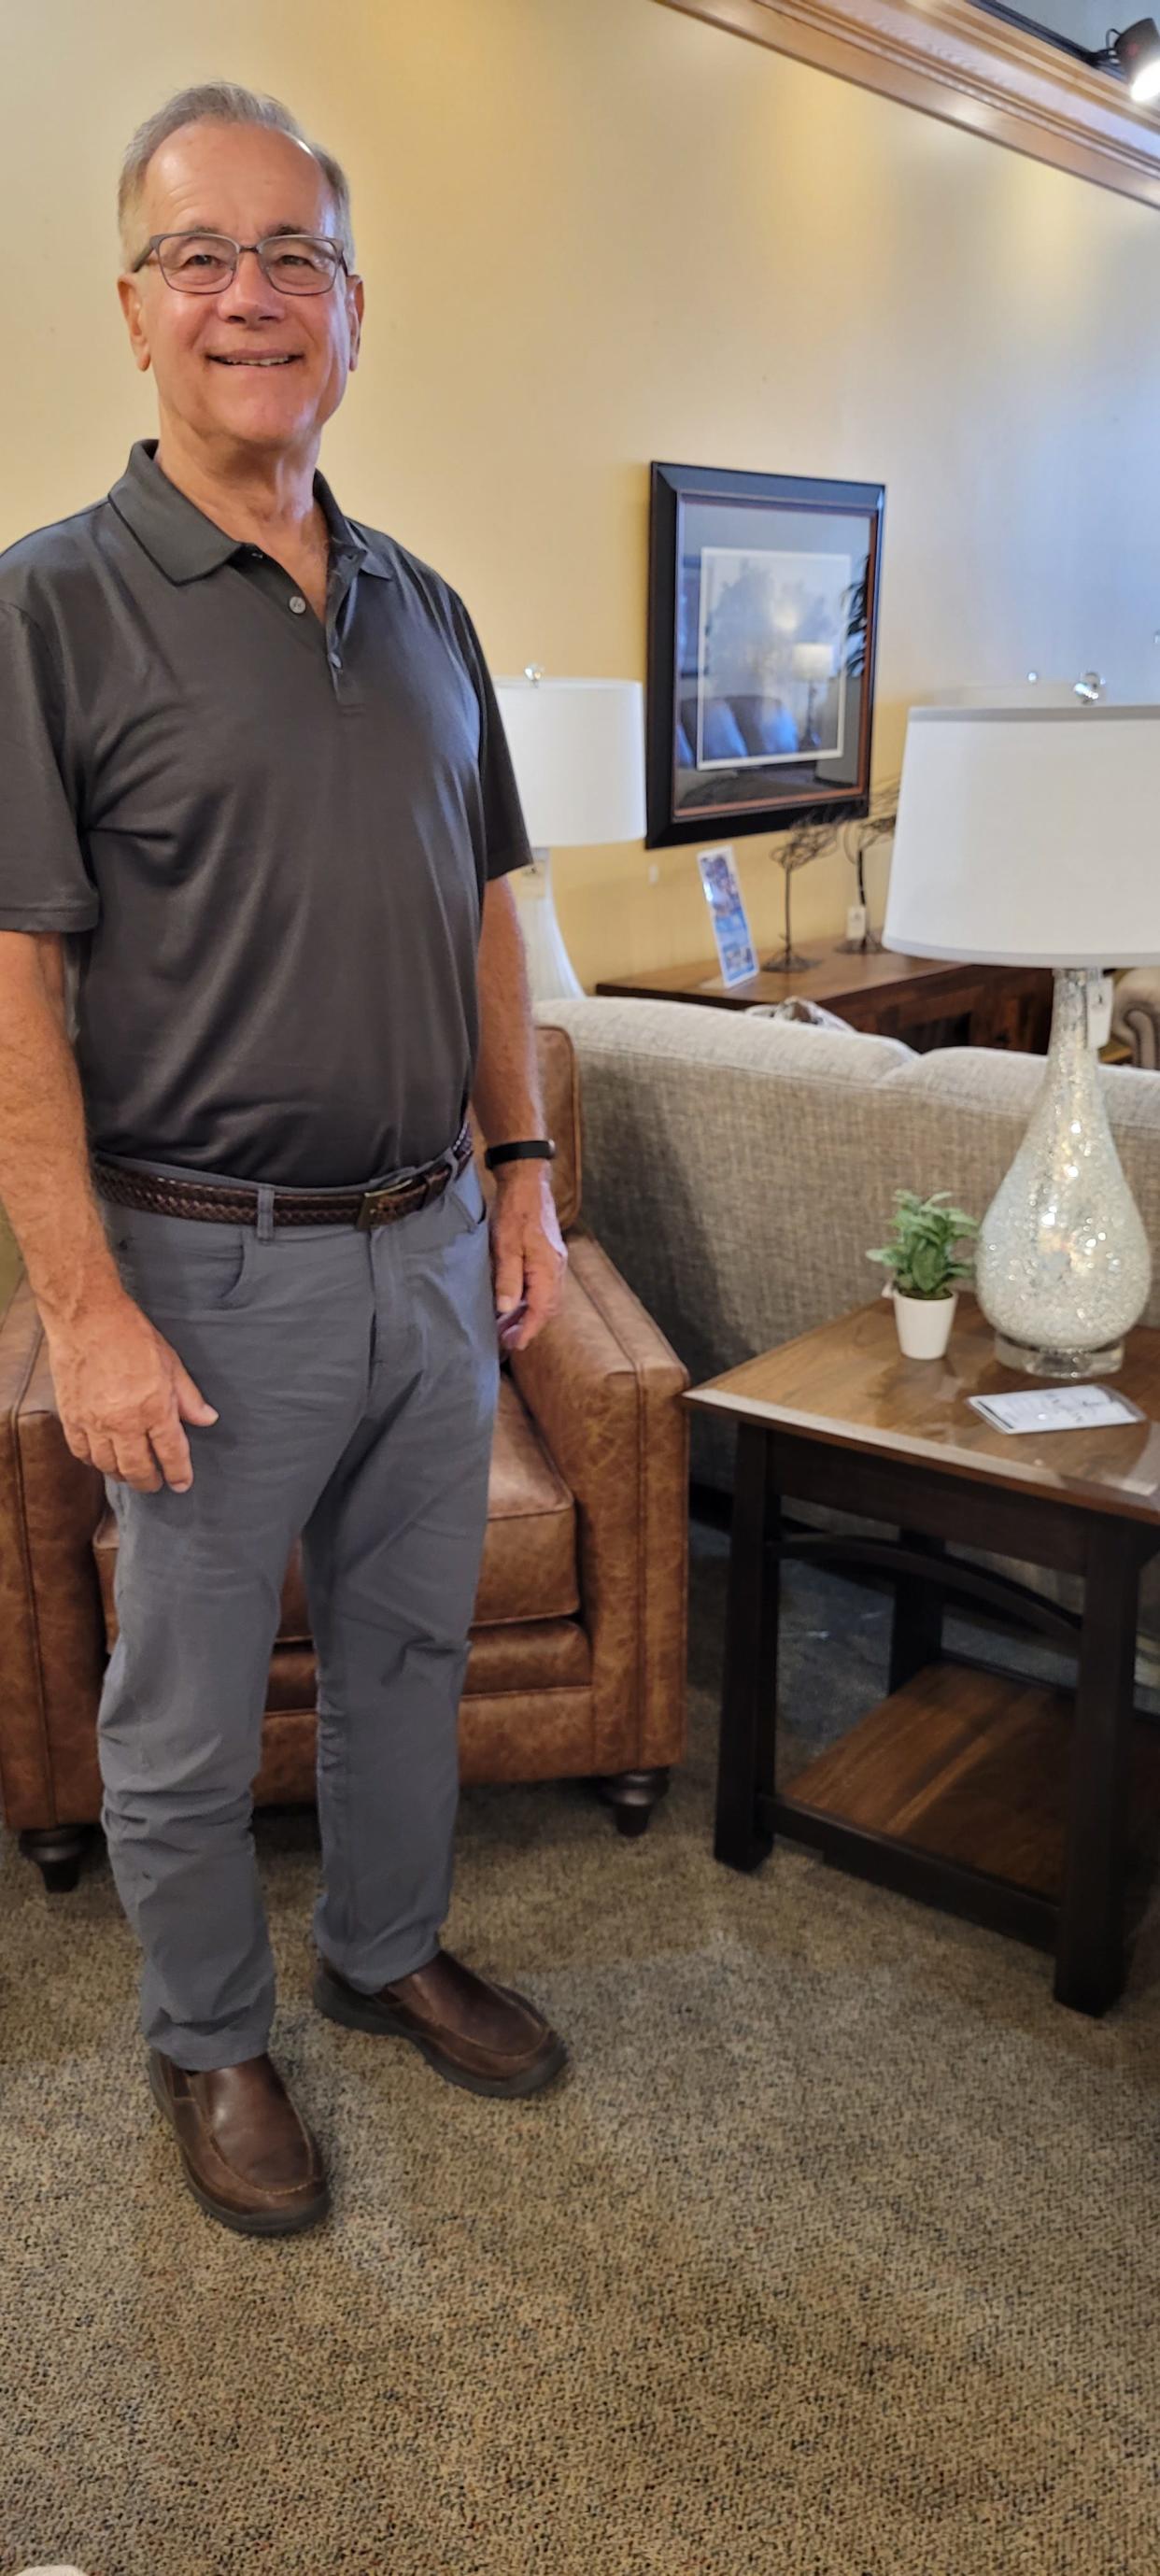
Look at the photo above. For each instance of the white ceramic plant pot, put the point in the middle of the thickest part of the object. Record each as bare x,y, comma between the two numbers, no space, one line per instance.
924,1324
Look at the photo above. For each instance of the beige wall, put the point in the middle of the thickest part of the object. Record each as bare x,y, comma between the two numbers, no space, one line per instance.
596,232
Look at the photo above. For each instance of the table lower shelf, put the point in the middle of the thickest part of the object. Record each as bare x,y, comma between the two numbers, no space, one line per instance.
954,1790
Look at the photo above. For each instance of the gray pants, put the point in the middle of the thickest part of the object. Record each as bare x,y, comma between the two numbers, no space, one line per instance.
354,1376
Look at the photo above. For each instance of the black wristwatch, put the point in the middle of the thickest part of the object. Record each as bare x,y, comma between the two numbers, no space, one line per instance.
539,1149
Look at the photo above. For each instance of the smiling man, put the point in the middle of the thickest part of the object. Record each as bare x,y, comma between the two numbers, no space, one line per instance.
256,949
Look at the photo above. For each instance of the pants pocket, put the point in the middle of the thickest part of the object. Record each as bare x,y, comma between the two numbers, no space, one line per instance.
468,1201
173,1265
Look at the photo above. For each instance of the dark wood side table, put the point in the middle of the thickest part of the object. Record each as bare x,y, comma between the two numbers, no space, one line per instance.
923,1000
968,1786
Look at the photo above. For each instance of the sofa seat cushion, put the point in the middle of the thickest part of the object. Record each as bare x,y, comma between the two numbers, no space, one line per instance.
529,1555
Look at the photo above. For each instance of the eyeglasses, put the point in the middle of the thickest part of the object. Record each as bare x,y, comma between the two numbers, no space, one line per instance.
203,263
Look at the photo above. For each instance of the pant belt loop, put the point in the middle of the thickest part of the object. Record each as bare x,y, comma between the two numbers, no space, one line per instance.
265,1212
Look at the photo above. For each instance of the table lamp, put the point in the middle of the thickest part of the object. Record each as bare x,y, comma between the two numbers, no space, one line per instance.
577,749
1027,836
813,663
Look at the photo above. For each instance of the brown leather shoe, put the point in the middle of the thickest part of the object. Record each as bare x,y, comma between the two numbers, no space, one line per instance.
248,2158
485,2037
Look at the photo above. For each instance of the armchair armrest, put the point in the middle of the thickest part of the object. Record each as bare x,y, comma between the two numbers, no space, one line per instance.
50,1602
1136,1014
604,1387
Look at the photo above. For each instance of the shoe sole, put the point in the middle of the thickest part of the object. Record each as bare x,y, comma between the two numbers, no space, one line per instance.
354,2014
260,2222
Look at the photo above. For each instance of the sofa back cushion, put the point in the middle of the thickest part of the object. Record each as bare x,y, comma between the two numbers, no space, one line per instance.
958,1116
724,1166
738,1169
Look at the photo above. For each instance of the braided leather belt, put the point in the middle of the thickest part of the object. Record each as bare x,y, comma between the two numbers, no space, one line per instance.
219,1204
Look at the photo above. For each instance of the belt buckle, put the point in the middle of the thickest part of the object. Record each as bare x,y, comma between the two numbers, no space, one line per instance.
374,1200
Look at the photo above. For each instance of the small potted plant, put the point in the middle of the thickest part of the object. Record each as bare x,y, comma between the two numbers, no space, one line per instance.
922,1258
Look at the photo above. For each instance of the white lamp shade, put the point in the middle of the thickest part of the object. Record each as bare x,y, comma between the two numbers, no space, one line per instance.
577,748
1029,836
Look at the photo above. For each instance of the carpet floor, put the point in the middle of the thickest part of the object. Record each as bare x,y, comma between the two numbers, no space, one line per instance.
836,2253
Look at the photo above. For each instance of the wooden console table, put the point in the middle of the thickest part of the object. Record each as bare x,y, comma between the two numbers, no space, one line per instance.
923,1000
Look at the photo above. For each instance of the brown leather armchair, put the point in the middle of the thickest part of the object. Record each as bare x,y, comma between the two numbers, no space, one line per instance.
577,1664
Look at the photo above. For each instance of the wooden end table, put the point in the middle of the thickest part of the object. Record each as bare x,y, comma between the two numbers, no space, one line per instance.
968,1786
926,1001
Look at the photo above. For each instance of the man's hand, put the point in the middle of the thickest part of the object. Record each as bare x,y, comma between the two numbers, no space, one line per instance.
528,1258
123,1394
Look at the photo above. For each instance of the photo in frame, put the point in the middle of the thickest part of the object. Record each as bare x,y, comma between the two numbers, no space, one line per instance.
763,619
736,953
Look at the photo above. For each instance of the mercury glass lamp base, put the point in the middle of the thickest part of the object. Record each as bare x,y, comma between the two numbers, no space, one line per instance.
1061,1364
1062,1264
551,974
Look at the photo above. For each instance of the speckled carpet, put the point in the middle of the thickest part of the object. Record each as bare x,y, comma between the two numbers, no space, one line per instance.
836,2254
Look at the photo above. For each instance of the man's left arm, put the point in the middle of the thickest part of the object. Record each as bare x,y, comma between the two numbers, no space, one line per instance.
527,1252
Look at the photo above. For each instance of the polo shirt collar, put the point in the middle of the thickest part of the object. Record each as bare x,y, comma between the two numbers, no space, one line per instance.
186,545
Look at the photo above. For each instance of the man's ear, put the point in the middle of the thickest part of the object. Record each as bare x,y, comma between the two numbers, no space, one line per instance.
355,307
130,301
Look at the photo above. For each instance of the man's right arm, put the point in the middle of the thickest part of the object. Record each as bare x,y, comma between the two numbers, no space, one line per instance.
44,1159
122,1393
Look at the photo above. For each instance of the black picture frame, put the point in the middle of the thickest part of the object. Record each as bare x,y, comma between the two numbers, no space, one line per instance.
753,580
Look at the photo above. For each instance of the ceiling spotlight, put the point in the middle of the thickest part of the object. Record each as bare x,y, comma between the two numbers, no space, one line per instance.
1137,53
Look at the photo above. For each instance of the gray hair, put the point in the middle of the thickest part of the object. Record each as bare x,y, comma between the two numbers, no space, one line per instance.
221,103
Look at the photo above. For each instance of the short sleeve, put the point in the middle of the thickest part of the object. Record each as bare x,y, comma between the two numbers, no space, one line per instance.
506,836
44,883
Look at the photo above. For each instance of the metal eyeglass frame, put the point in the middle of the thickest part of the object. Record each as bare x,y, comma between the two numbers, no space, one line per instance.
153,249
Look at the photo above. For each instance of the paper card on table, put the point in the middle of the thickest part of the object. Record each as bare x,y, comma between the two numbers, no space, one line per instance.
1057,1408
735,949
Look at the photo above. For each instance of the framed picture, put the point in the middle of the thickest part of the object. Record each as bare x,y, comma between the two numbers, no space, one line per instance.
735,950
763,615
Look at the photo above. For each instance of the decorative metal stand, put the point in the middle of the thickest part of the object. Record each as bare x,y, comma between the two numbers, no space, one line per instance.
869,943
786,960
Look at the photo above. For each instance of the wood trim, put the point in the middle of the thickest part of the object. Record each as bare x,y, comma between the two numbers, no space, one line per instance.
949,59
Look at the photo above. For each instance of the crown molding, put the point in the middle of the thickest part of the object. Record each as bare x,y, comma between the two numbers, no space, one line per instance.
948,58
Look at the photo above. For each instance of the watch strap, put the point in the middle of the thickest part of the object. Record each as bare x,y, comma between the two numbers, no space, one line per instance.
526,1149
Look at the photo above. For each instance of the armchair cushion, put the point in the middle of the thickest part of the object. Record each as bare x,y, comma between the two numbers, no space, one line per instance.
529,1557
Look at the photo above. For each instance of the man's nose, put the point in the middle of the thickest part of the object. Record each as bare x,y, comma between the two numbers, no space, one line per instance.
249,286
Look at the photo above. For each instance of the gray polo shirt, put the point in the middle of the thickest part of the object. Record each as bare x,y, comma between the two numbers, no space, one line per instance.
265,843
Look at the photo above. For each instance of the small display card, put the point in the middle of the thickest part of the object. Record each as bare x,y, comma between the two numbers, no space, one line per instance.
1057,1408
735,948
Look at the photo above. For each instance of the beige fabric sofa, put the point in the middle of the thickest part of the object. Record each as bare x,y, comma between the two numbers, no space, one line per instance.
737,1168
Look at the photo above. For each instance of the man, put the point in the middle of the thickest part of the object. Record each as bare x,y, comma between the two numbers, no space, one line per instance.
258,811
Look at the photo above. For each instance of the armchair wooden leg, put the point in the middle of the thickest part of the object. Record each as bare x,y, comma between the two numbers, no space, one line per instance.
632,1795
58,1851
